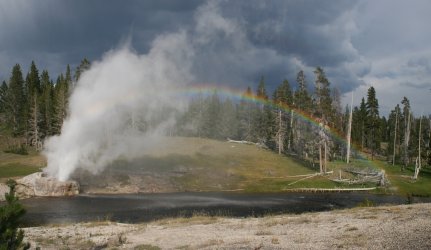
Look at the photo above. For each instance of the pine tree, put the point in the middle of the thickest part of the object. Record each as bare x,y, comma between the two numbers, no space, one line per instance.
192,121
46,104
302,100
393,133
4,102
60,104
337,109
212,117
33,112
372,121
245,116
85,65
283,133
10,214
17,102
323,98
263,116
362,118
301,138
229,121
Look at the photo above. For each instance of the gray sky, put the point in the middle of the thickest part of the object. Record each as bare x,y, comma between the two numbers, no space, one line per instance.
383,43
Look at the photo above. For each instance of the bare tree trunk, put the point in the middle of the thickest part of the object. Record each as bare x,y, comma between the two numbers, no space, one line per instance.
362,135
33,133
406,142
280,143
291,130
320,158
395,137
324,163
349,131
418,161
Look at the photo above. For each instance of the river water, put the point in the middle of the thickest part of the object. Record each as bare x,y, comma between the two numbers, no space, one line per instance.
134,208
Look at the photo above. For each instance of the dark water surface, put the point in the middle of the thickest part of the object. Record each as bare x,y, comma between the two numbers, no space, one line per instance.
133,208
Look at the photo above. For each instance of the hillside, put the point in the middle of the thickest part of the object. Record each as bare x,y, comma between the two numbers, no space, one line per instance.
195,164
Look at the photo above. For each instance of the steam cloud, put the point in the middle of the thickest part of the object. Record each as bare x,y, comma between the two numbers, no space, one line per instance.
125,102
114,102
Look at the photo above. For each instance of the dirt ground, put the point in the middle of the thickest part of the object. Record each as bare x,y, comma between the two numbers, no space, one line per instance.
386,227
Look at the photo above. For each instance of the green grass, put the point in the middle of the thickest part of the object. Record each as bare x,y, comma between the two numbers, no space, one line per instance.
146,247
209,165
15,170
403,184
196,164
15,165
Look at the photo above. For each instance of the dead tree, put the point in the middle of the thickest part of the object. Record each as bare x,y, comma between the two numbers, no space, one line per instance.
320,159
418,165
349,131
280,135
325,161
406,140
395,136
291,130
34,135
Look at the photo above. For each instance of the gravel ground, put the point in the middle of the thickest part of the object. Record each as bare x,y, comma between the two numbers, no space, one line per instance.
387,227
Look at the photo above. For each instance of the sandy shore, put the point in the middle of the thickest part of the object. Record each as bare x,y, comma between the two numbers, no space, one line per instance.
390,227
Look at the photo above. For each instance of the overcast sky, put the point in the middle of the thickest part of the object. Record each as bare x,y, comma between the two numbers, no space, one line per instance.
383,43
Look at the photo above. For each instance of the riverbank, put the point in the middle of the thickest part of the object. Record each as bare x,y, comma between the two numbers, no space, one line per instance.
180,164
393,227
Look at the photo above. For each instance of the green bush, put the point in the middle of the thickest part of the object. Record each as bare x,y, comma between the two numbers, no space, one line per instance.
10,214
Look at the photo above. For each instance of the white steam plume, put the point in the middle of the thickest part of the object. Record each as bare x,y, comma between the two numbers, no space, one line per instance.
109,99
124,89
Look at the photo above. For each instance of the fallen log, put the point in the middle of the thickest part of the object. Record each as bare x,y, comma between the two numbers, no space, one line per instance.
323,190
261,145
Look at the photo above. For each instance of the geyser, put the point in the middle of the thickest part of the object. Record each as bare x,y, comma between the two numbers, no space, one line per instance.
125,102
121,105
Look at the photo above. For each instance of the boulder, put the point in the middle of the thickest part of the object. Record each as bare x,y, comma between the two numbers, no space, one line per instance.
38,184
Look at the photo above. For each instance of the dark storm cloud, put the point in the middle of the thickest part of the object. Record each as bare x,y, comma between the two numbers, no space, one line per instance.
278,38
71,30
358,43
300,28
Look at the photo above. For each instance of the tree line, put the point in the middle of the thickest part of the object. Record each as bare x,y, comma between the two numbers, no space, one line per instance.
277,121
34,107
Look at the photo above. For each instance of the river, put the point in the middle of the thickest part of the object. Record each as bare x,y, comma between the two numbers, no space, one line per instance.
134,208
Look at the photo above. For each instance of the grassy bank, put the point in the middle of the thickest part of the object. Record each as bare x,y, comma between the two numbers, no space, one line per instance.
15,165
402,181
196,164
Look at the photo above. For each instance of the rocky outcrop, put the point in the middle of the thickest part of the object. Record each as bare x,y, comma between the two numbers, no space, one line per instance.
38,184
3,189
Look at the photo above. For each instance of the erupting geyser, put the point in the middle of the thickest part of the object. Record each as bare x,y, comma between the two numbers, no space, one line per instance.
120,106
125,102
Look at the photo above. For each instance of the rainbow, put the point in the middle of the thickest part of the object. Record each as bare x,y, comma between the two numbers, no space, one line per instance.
237,95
